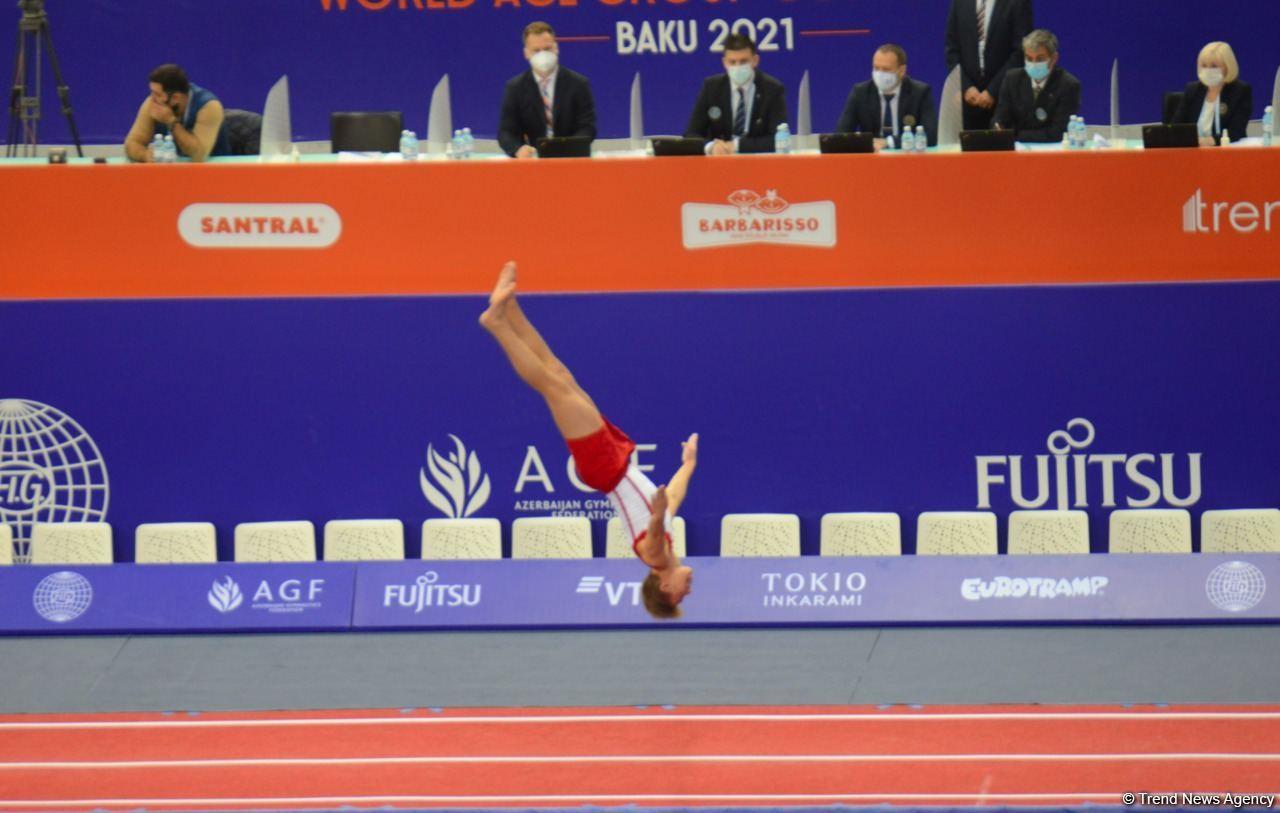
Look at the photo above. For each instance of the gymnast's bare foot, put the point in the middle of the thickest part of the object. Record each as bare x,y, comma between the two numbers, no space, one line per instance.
504,290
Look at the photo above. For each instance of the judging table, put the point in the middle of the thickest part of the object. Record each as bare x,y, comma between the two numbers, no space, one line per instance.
327,226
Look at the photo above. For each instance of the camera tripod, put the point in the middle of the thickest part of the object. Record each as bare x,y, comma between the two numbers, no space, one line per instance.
24,102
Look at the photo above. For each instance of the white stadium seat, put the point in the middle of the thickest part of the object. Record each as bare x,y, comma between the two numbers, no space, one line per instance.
6,545
766,535
1150,530
363,540
71,543
461,539
164,543
861,534
956,533
617,546
276,542
551,538
1248,530
1048,532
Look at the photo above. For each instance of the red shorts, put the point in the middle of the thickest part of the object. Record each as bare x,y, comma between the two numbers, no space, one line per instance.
602,457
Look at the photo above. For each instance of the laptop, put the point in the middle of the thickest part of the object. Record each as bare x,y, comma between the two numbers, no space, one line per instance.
846,142
679,146
987,140
1157,136
565,147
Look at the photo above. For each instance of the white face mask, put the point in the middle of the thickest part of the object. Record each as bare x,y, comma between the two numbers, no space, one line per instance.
885,80
544,62
1211,77
740,75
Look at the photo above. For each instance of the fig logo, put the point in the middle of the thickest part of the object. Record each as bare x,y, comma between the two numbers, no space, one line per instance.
260,225
753,218
1241,217
454,483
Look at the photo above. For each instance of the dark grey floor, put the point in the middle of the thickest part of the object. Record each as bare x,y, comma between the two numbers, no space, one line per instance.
1236,664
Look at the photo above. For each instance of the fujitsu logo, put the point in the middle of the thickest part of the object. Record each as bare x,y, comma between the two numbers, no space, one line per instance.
1067,474
754,218
260,225
1242,217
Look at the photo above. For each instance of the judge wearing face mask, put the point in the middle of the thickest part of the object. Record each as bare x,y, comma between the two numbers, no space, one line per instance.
890,101
738,110
546,100
1220,101
1038,100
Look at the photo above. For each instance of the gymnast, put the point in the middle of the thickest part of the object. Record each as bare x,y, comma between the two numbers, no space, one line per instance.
601,451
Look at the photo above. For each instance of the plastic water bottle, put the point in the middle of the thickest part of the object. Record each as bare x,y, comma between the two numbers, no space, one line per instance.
1268,126
888,142
170,150
922,139
455,146
782,140
1082,134
409,145
908,140
153,150
468,142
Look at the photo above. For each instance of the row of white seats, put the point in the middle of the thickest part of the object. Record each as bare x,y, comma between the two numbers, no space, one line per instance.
946,533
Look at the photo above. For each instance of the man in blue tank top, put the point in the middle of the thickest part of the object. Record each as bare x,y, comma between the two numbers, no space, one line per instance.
191,114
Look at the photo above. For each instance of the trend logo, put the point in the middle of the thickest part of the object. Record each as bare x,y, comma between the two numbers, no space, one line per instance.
1241,217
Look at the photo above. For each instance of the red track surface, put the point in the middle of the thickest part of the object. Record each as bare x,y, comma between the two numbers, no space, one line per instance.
689,756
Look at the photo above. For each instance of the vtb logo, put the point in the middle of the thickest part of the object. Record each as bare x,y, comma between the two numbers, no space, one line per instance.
1242,217
615,591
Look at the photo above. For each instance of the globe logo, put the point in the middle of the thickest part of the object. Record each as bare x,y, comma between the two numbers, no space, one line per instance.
63,596
1235,586
50,471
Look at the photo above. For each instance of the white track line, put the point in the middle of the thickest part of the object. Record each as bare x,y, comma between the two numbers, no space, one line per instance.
637,797
922,717
574,760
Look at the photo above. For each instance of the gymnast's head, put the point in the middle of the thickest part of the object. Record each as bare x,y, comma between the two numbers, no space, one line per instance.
663,590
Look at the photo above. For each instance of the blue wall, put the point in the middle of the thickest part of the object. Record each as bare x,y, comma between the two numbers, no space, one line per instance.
390,59
243,410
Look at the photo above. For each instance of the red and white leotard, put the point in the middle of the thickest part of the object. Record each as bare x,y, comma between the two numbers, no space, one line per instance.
603,460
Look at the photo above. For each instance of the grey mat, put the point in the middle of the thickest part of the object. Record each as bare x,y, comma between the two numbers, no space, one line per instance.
619,668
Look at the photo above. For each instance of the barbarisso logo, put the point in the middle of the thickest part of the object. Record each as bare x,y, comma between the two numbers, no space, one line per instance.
753,218
260,225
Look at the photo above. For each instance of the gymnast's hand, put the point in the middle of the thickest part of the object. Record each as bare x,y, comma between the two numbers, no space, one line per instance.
689,452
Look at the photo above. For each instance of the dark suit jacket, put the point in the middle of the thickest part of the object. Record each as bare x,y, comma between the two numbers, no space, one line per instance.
1018,105
864,109
1237,98
713,113
1010,22
573,110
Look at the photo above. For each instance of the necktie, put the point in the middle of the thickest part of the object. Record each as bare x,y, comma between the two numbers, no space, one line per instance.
543,85
982,20
886,121
740,117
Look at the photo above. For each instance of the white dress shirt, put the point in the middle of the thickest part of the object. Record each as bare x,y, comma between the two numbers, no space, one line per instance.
986,27
551,89
749,94
1210,118
893,106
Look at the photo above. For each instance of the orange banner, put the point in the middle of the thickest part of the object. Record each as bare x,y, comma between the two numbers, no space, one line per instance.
640,224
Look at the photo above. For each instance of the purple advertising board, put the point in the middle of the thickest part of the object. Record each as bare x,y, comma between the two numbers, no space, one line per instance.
175,598
825,590
585,593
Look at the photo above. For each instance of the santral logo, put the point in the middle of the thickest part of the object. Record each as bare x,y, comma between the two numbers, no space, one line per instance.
260,225
752,218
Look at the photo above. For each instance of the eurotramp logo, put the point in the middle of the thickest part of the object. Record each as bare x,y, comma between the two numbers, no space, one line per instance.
1241,217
